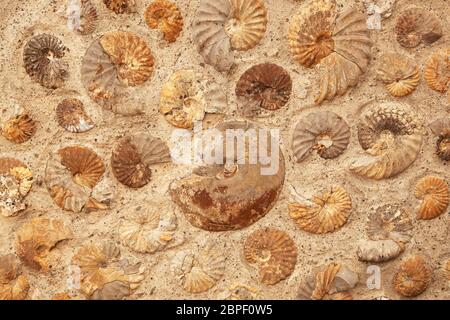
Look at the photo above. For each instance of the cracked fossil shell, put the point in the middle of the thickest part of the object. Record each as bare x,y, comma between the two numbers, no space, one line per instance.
221,26
113,67
273,252
235,194
399,74
71,175
338,43
121,6
413,277
13,285
103,275
187,96
36,240
390,135
199,270
133,156
325,213
19,129
241,292
437,71
330,282
43,60
71,116
441,128
435,196
165,16
15,183
147,229
266,86
416,25
323,131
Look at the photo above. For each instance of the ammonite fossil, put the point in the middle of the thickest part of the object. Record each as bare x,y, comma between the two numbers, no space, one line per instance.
273,252
71,116
13,284
413,276
236,193
390,134
133,156
221,26
399,74
43,60
85,17
416,25
339,43
266,86
434,195
441,128
437,71
19,128
165,15
323,131
242,292
121,6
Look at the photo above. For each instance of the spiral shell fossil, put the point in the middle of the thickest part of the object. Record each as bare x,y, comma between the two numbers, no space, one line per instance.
19,128
71,175
43,60
413,277
266,86
446,269
166,16
71,116
187,96
13,285
441,128
416,25
273,252
121,6
399,74
133,156
338,43
221,26
437,71
83,16
435,196
200,269
323,131
390,135
242,292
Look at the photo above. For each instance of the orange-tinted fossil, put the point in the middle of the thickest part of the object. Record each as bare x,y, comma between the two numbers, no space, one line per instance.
71,116
13,284
434,195
19,129
121,6
413,276
165,16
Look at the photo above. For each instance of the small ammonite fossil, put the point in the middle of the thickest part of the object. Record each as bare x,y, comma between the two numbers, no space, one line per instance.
71,116
121,6
18,129
133,156
13,284
399,74
441,128
82,16
416,25
323,131
437,71
273,252
165,16
412,277
266,86
43,60
434,194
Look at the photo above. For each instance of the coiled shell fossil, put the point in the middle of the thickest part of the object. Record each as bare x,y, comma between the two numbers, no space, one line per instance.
446,269
221,26
133,156
166,16
71,175
323,131
121,6
437,71
242,292
235,194
413,277
71,116
441,128
19,128
187,96
273,252
435,196
83,16
416,25
390,135
200,269
43,60
13,285
266,86
399,74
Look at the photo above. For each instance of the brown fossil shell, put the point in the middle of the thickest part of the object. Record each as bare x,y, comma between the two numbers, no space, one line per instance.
435,196
37,238
413,277
43,60
242,292
72,117
273,252
266,86
323,131
88,18
326,213
416,25
446,269
441,128
233,195
13,285
437,71
390,135
200,269
19,129
121,6
133,156
399,74
165,15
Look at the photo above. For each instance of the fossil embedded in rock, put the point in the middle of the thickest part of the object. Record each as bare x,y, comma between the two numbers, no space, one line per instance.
121,6
13,284
72,117
413,277
19,128
441,128
165,16
434,195
437,71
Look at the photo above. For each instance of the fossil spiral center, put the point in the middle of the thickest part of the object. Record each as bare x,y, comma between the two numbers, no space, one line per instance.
264,255
232,27
324,140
